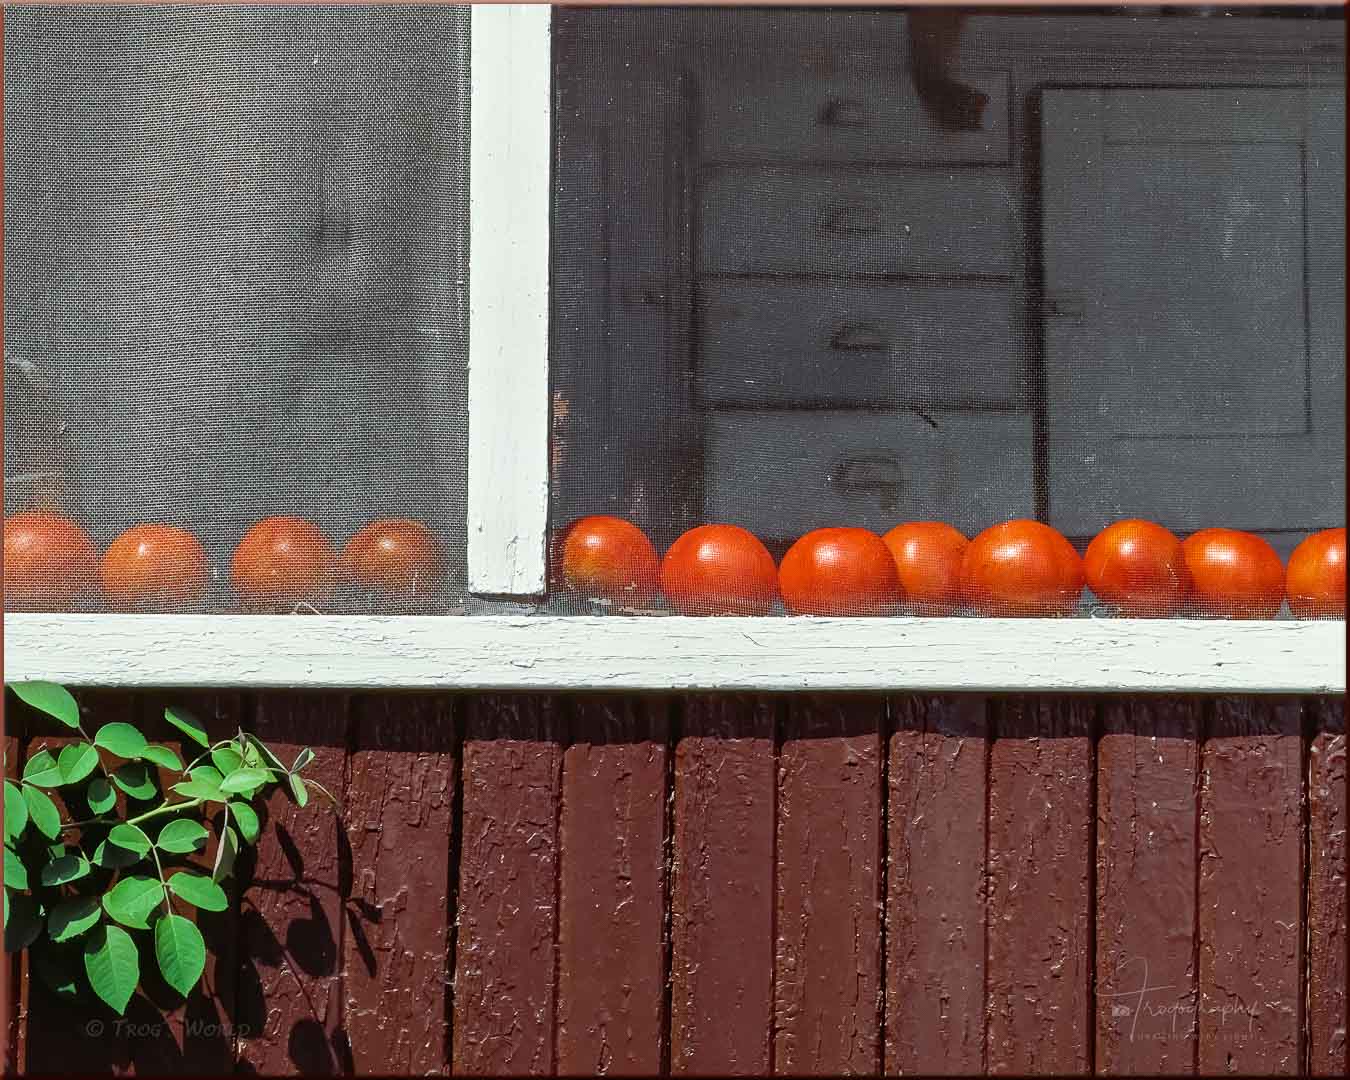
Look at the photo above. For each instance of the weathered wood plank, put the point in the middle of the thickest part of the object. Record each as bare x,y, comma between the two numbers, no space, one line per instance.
292,929
1250,889
827,984
612,896
1040,873
1147,785
722,902
935,885
505,963
1327,970
400,810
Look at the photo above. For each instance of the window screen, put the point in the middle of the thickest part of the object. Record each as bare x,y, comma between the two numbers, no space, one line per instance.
235,290
841,269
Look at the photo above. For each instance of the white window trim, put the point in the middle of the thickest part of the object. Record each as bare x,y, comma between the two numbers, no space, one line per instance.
508,473
511,134
493,652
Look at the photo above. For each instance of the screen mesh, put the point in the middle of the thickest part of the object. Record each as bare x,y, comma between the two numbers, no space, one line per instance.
854,270
236,289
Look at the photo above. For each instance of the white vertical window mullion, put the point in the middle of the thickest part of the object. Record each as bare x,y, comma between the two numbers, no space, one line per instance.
509,191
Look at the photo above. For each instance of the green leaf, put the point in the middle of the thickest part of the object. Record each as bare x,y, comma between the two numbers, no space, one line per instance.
181,952
16,874
23,922
51,699
56,965
135,779
131,837
43,813
43,770
199,891
244,780
206,774
100,795
226,759
181,837
111,962
163,756
121,739
71,918
77,761
269,759
299,790
226,850
16,811
111,857
199,789
251,755
247,820
189,725
302,759
132,900
65,868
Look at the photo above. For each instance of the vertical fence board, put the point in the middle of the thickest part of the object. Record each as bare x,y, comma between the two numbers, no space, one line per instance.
399,812
1251,878
1147,785
611,918
722,936
1040,876
1327,968
827,984
291,918
505,964
935,884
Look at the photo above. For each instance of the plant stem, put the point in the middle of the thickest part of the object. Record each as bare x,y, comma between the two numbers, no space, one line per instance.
167,808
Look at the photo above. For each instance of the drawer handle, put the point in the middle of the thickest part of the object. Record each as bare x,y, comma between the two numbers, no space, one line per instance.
842,112
860,337
849,221
869,474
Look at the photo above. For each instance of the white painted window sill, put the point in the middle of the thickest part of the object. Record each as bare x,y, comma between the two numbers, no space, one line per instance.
676,653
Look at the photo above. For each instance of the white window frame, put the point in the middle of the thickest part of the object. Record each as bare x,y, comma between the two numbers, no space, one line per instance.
508,478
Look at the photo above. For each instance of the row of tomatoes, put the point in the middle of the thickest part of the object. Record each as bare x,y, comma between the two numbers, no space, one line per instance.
51,564
1018,568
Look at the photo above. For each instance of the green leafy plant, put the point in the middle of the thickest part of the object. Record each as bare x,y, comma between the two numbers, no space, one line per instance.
120,856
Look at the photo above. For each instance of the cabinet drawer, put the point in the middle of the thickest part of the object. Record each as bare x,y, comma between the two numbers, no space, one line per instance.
797,113
766,343
859,221
781,474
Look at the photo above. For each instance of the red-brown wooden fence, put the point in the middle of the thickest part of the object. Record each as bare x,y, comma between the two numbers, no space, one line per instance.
797,884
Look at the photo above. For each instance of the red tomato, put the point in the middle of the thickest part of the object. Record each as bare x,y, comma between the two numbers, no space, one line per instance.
928,559
282,562
1234,574
50,563
155,567
1315,582
395,556
1022,568
1138,567
607,558
719,570
839,572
